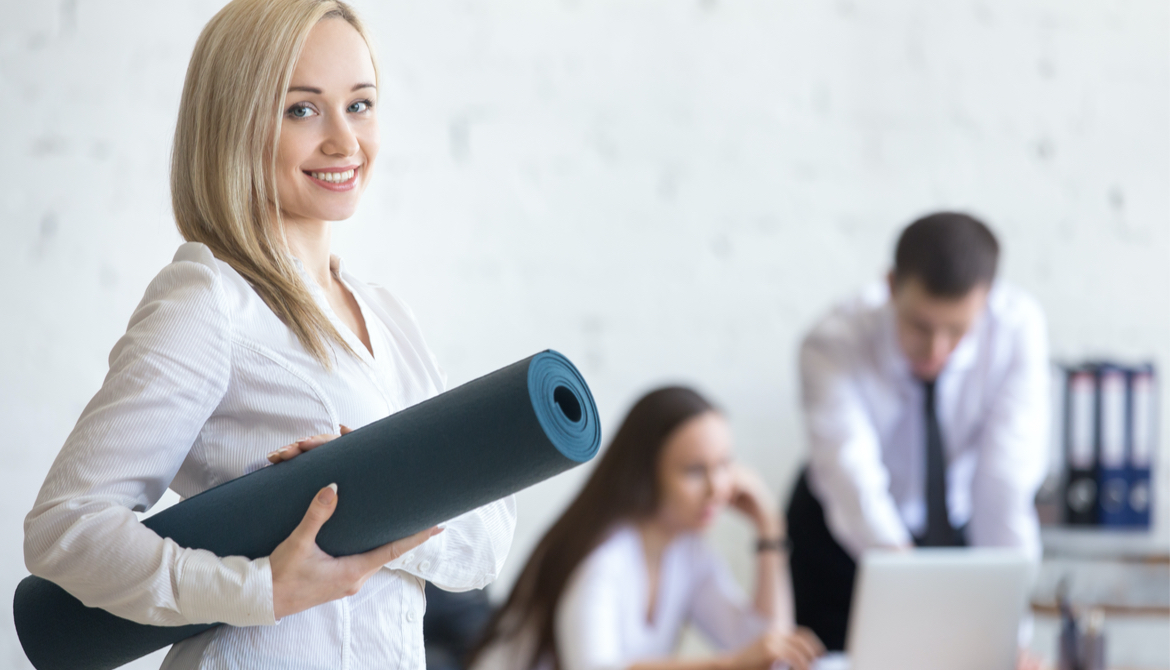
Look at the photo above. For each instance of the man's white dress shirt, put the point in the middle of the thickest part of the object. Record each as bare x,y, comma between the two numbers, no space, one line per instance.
601,621
205,382
864,414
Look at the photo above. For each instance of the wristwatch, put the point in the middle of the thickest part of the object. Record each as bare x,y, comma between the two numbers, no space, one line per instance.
773,544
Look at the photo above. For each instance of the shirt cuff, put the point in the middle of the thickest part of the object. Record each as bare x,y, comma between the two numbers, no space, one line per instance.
424,560
435,562
232,590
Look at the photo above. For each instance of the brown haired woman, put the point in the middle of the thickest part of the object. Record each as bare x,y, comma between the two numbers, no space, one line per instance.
256,334
614,580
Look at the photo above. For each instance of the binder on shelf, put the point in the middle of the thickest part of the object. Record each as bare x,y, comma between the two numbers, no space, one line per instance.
1080,490
1049,499
1113,471
1141,445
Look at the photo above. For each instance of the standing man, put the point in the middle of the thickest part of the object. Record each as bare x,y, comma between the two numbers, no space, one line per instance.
926,404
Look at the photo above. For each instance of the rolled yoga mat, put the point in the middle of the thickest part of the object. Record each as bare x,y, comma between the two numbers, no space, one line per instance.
409,471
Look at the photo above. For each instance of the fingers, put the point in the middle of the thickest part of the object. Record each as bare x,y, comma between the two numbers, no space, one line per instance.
793,657
750,486
798,661
803,648
772,648
388,552
360,567
746,479
1025,660
810,638
322,507
799,649
304,444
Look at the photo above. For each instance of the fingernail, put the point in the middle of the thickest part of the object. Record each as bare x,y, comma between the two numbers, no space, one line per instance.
327,494
272,454
303,439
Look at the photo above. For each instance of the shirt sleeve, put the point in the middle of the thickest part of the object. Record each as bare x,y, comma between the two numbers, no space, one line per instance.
588,620
1013,447
720,608
469,553
167,375
845,464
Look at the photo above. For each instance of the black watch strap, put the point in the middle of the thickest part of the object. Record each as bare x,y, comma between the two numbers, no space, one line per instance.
773,544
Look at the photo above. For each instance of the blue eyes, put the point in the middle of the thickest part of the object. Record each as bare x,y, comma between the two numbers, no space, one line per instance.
304,110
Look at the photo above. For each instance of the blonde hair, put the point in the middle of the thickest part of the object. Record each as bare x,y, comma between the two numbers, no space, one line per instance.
223,167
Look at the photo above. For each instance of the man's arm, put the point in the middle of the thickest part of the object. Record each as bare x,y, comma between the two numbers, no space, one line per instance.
1013,445
845,466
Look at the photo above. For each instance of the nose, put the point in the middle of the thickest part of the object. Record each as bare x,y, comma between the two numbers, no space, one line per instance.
940,346
340,140
709,486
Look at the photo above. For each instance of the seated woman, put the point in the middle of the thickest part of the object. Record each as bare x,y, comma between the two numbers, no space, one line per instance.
614,580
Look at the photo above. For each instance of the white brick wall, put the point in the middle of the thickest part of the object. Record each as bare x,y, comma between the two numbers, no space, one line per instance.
662,190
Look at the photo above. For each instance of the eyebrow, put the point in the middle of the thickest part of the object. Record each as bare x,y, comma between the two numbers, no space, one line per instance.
316,91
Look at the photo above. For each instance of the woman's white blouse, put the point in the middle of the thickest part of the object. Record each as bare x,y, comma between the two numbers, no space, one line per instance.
601,621
205,382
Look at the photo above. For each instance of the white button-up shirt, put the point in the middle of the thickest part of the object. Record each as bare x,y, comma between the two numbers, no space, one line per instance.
601,619
205,382
864,414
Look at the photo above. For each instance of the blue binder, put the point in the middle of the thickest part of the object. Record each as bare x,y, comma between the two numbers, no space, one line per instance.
1113,471
1142,418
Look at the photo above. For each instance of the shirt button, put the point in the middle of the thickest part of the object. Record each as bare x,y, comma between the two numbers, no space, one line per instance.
424,566
411,616
408,559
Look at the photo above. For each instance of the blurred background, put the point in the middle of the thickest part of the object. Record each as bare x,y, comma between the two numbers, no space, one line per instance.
663,190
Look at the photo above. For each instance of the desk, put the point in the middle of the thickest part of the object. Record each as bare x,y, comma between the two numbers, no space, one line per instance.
1126,574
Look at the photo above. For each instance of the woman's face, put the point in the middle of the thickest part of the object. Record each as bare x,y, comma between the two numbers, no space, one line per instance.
329,129
694,473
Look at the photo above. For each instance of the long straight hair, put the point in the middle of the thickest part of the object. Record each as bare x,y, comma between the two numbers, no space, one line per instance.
623,487
223,167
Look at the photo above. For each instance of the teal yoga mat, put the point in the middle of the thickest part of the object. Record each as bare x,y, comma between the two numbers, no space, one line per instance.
424,465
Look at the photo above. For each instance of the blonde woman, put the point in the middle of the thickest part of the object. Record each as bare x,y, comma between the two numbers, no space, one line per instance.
253,337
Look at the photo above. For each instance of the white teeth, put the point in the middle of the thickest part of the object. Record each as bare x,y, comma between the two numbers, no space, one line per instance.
333,177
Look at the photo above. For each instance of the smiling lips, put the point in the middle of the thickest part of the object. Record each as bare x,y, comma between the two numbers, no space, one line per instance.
334,179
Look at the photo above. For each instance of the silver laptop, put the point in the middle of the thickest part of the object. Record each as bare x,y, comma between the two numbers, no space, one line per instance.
937,609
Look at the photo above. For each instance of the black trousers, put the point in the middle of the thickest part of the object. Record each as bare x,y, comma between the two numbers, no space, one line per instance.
822,571
452,625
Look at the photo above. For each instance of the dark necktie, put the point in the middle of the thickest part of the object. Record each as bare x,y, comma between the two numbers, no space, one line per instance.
939,532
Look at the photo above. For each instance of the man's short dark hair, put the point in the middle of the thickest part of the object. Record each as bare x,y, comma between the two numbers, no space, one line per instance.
949,252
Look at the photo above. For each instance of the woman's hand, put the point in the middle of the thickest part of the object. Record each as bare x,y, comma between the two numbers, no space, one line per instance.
751,497
798,649
299,447
1026,660
303,576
